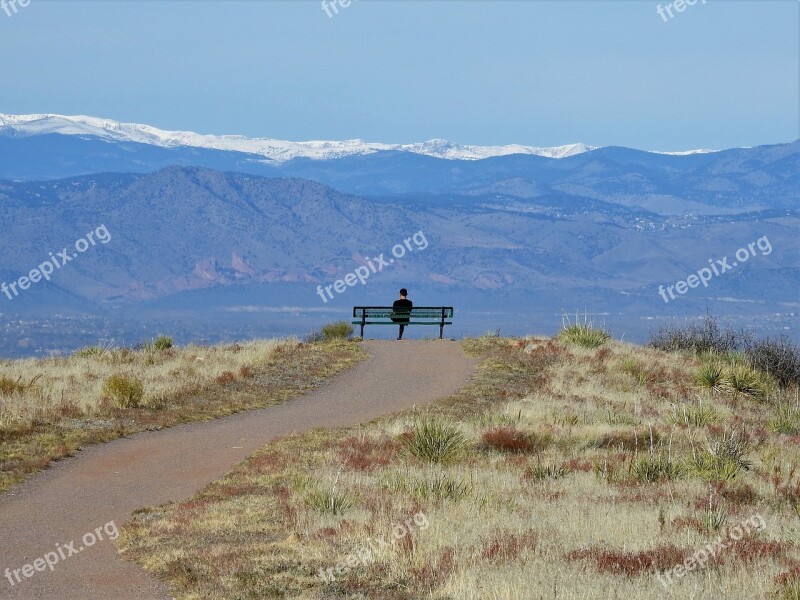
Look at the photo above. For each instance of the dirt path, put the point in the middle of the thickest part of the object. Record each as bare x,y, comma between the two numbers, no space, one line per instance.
76,498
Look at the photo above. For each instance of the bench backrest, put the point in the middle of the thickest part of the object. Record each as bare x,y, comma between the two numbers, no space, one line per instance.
417,312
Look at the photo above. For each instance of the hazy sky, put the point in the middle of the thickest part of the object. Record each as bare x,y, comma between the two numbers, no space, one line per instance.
535,72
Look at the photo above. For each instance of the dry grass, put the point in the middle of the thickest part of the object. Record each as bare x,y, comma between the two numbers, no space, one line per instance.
579,479
50,408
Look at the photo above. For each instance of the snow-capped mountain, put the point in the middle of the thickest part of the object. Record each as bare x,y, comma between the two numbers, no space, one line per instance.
273,150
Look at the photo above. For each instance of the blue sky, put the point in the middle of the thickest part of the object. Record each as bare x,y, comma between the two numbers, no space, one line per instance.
717,75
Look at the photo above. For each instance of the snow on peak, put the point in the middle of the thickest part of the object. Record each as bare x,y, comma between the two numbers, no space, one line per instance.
275,150
685,152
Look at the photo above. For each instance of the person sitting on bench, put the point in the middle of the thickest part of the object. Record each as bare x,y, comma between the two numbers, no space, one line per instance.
401,311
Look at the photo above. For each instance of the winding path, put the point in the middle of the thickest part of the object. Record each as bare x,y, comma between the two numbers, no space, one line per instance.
77,497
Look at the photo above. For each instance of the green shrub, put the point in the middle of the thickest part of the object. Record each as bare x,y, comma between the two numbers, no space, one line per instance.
158,344
585,335
338,330
126,391
434,442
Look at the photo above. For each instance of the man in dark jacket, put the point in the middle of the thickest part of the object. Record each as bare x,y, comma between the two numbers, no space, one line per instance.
402,311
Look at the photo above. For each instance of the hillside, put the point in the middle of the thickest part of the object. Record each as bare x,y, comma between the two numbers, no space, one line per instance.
202,251
514,488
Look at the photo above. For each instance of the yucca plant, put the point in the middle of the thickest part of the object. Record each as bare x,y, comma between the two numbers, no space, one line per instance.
159,344
711,377
433,441
333,501
747,381
586,336
723,458
713,518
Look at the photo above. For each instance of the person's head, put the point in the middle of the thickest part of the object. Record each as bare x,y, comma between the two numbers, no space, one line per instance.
403,292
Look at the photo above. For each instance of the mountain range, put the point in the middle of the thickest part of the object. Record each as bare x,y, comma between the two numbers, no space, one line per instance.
270,150
210,242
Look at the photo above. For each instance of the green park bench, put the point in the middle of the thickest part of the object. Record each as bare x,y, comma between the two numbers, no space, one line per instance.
418,315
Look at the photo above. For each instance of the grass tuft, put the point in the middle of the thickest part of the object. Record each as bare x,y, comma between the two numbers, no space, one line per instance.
786,419
695,415
546,472
657,467
510,439
440,487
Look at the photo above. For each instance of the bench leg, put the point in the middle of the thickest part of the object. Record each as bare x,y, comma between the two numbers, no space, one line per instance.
441,331
362,331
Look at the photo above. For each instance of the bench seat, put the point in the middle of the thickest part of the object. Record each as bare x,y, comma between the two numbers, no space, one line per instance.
388,315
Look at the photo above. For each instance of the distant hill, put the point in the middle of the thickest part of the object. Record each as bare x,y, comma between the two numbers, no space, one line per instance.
226,237
183,229
55,147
